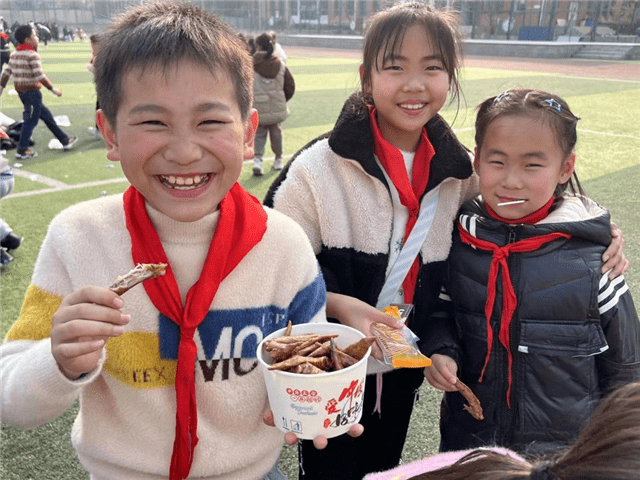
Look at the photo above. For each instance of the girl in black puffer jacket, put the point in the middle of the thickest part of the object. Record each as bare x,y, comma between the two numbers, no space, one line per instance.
539,334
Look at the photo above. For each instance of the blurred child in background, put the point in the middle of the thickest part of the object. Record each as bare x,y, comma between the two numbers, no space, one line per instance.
273,87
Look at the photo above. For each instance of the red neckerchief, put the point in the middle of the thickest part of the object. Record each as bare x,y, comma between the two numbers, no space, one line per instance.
530,219
509,299
25,46
242,224
393,163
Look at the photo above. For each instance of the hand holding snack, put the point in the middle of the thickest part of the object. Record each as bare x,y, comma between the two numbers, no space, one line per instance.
359,315
83,323
88,317
399,347
442,375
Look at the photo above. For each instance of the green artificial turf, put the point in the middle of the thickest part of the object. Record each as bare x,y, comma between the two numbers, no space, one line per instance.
608,164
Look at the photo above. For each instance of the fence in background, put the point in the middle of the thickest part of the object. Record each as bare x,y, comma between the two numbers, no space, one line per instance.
537,20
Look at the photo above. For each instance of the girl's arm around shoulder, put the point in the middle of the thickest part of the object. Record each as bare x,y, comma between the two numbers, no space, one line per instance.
620,363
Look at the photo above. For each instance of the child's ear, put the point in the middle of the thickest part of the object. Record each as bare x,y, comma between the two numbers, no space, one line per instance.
567,168
250,134
476,160
365,87
108,135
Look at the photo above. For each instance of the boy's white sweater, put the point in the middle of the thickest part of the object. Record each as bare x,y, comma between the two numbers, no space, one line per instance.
126,425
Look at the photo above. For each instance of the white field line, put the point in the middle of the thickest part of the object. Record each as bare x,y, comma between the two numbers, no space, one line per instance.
58,186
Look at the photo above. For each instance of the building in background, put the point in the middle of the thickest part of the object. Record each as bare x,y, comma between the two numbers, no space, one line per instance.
579,20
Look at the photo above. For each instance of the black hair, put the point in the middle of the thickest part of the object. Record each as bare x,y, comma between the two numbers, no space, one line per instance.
162,34
265,42
608,448
386,29
543,106
23,32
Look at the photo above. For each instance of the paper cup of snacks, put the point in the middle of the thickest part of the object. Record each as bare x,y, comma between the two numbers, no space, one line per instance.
315,376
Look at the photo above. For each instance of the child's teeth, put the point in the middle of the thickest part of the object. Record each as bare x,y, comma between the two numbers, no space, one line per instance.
184,182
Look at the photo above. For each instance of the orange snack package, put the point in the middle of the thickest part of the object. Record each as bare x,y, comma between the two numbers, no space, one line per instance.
399,346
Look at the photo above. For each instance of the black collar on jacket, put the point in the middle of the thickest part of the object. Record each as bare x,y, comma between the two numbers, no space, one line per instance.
352,138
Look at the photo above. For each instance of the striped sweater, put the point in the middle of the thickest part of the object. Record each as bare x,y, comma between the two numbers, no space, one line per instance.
125,428
26,68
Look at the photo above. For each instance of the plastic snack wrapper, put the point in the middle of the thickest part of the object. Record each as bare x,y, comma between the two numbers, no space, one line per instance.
399,346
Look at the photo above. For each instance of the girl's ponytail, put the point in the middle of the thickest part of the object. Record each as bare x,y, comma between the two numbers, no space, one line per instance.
265,42
608,448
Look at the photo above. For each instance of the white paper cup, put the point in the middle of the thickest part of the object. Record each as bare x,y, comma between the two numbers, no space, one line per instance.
310,405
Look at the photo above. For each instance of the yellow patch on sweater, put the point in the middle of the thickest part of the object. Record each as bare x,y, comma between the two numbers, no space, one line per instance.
34,322
134,359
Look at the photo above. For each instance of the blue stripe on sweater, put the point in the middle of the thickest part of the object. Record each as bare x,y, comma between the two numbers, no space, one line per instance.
236,333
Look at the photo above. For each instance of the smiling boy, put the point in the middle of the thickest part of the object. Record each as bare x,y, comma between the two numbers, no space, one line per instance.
166,375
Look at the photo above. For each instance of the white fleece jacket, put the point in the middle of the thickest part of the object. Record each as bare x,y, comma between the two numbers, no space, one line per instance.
126,424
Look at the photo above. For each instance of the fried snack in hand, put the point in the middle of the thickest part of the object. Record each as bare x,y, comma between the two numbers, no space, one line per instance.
140,273
474,408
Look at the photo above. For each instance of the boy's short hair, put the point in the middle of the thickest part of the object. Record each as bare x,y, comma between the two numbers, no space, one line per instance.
160,35
23,32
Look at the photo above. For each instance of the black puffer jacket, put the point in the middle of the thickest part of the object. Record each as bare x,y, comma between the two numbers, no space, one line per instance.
573,336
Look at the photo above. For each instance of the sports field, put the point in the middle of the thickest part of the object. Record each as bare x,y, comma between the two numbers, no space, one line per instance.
606,95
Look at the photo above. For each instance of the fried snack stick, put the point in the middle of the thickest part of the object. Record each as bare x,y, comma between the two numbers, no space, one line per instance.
141,272
396,347
306,368
359,349
474,408
321,362
281,348
287,332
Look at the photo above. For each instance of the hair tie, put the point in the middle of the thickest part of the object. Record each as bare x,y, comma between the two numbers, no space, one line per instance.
543,472
553,103
500,97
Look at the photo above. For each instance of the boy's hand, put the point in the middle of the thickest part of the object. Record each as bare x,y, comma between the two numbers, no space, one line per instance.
614,259
319,442
83,323
57,92
442,373
359,315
